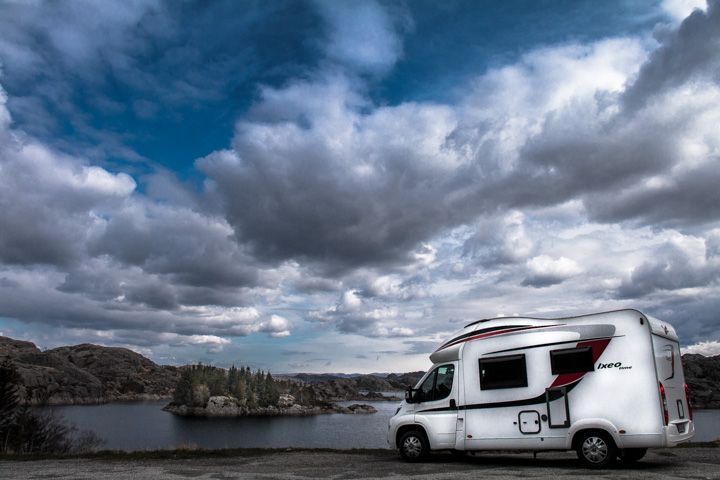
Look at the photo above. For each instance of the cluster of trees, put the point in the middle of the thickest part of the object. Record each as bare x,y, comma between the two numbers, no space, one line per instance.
252,389
27,430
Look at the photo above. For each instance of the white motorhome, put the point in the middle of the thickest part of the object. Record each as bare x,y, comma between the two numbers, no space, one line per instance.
608,385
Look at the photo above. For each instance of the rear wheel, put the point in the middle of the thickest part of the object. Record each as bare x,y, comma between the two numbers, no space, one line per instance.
414,446
631,455
596,449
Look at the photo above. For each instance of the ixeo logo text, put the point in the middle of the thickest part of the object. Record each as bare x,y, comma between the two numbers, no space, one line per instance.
617,365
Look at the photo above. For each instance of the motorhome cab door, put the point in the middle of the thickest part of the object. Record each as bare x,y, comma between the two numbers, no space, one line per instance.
436,408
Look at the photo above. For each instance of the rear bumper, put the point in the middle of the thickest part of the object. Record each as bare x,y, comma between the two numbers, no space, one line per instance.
679,432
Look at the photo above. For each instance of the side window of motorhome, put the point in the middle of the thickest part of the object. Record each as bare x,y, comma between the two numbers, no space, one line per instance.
438,385
503,372
572,360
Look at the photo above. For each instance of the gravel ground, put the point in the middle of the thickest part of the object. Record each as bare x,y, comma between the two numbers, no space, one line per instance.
696,463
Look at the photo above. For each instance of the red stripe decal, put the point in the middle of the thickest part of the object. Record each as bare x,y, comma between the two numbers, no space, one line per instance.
492,334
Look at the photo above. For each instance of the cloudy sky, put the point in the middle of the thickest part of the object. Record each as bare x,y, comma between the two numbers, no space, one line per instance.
335,186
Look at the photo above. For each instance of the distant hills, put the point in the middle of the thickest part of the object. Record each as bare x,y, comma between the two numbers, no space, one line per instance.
375,382
91,374
702,375
86,374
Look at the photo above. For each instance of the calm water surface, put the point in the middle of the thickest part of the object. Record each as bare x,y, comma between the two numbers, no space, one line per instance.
142,425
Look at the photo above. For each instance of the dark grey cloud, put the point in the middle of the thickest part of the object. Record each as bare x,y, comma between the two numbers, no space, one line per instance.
368,199
44,208
688,199
698,321
574,158
499,241
540,281
187,247
354,314
686,55
671,268
421,347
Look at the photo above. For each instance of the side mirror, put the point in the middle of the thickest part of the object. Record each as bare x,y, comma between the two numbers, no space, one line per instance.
409,395
453,404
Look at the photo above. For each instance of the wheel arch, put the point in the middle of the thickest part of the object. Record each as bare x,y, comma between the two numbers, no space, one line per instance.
595,448
598,425
579,433
408,428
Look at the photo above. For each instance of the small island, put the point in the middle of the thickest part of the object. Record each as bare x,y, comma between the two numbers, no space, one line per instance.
209,391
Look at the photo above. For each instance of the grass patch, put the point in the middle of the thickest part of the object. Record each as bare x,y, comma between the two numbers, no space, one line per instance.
192,452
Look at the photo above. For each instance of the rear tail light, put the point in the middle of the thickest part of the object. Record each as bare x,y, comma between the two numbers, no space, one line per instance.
664,404
687,397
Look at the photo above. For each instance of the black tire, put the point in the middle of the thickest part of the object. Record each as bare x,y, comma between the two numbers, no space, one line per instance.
632,455
457,454
414,446
596,449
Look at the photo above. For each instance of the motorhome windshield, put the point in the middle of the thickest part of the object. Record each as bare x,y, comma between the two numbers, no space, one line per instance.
436,386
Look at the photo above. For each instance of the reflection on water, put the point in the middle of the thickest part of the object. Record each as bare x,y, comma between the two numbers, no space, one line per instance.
142,425
707,425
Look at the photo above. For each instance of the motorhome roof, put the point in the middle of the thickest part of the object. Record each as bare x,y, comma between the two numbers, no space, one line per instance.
492,327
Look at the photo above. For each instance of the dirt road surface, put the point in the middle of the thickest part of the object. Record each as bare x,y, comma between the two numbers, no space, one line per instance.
696,463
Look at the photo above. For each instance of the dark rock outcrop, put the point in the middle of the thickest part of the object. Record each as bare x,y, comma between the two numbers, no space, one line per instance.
227,406
122,372
86,374
372,383
403,380
702,375
335,390
344,389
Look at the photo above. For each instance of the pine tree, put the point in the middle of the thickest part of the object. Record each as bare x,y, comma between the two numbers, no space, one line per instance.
240,391
272,390
233,378
184,389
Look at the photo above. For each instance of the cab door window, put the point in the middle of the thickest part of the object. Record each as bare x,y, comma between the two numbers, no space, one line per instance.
438,384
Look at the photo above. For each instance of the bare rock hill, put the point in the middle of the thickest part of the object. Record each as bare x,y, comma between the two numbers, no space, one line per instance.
371,383
702,375
86,374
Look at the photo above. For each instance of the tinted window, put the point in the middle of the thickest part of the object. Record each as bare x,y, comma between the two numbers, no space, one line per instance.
438,384
572,360
503,372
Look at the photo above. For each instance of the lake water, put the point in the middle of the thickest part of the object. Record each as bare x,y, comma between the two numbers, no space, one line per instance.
142,425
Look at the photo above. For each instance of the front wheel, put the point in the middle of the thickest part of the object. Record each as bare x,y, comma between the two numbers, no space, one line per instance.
596,450
414,446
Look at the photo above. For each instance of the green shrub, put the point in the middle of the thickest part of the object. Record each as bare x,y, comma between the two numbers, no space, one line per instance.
26,430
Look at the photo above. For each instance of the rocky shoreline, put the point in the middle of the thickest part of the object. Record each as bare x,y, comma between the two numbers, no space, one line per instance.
223,406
